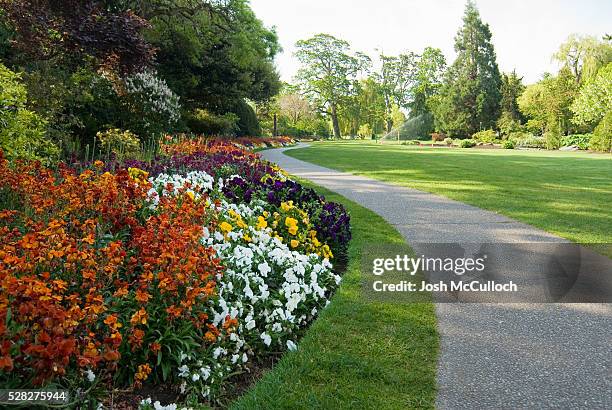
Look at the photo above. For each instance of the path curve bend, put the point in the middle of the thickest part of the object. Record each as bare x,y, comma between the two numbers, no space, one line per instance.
497,356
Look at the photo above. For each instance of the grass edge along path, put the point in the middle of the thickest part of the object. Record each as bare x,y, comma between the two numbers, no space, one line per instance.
564,193
357,354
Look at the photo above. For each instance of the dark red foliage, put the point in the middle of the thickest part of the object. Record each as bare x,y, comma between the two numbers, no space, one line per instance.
48,29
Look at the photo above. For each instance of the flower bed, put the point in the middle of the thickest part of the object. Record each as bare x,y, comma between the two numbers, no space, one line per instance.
182,276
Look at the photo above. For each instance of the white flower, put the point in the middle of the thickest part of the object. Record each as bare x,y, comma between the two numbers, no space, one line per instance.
183,370
291,346
90,375
205,372
158,406
195,377
266,339
250,324
264,268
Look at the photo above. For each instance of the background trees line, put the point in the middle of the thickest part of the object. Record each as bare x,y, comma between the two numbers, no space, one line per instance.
459,100
71,71
151,67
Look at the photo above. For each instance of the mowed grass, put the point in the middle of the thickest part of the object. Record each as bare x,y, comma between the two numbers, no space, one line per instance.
566,193
357,354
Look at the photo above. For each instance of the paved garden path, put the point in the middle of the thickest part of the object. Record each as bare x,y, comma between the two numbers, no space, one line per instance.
498,356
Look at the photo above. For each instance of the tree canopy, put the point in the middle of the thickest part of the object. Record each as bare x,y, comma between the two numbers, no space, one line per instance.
328,73
470,95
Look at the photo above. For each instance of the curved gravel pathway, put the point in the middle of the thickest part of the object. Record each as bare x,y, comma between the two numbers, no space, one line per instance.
497,356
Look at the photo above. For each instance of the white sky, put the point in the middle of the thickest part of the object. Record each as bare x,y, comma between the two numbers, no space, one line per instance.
525,32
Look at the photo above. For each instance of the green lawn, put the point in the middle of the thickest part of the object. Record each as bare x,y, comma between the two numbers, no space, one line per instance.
565,193
357,354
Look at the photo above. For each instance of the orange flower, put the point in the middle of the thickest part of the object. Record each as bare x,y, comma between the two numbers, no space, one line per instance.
142,297
136,338
155,347
174,311
6,363
143,372
139,318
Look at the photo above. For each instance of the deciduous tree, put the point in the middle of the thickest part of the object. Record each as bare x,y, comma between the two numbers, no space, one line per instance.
328,73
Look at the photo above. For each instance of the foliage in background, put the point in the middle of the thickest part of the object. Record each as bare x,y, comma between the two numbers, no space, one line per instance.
581,141
584,56
22,132
510,118
121,144
204,122
594,100
470,95
328,73
70,32
547,103
94,65
154,107
602,135
485,136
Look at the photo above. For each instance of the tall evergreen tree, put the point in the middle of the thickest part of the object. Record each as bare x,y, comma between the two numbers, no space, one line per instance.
471,96
510,118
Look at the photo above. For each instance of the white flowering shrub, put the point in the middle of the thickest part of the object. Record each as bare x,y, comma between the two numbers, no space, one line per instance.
267,293
155,107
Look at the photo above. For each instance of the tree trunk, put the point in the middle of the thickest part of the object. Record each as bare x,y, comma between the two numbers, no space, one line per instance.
389,124
336,125
275,131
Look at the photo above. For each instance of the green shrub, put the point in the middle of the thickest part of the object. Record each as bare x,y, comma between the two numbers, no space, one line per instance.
155,108
508,144
526,140
507,125
467,143
248,124
22,132
485,136
602,136
410,142
552,140
204,122
579,140
123,144
448,141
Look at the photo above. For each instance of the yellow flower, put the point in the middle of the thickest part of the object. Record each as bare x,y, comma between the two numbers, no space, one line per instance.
247,238
190,195
294,243
261,223
138,174
225,227
289,222
293,229
286,206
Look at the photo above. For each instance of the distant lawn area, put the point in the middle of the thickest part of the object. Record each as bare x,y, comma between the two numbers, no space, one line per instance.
566,193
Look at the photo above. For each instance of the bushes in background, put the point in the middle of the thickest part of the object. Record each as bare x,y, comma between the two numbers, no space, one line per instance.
602,136
22,132
581,141
485,136
204,122
467,143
